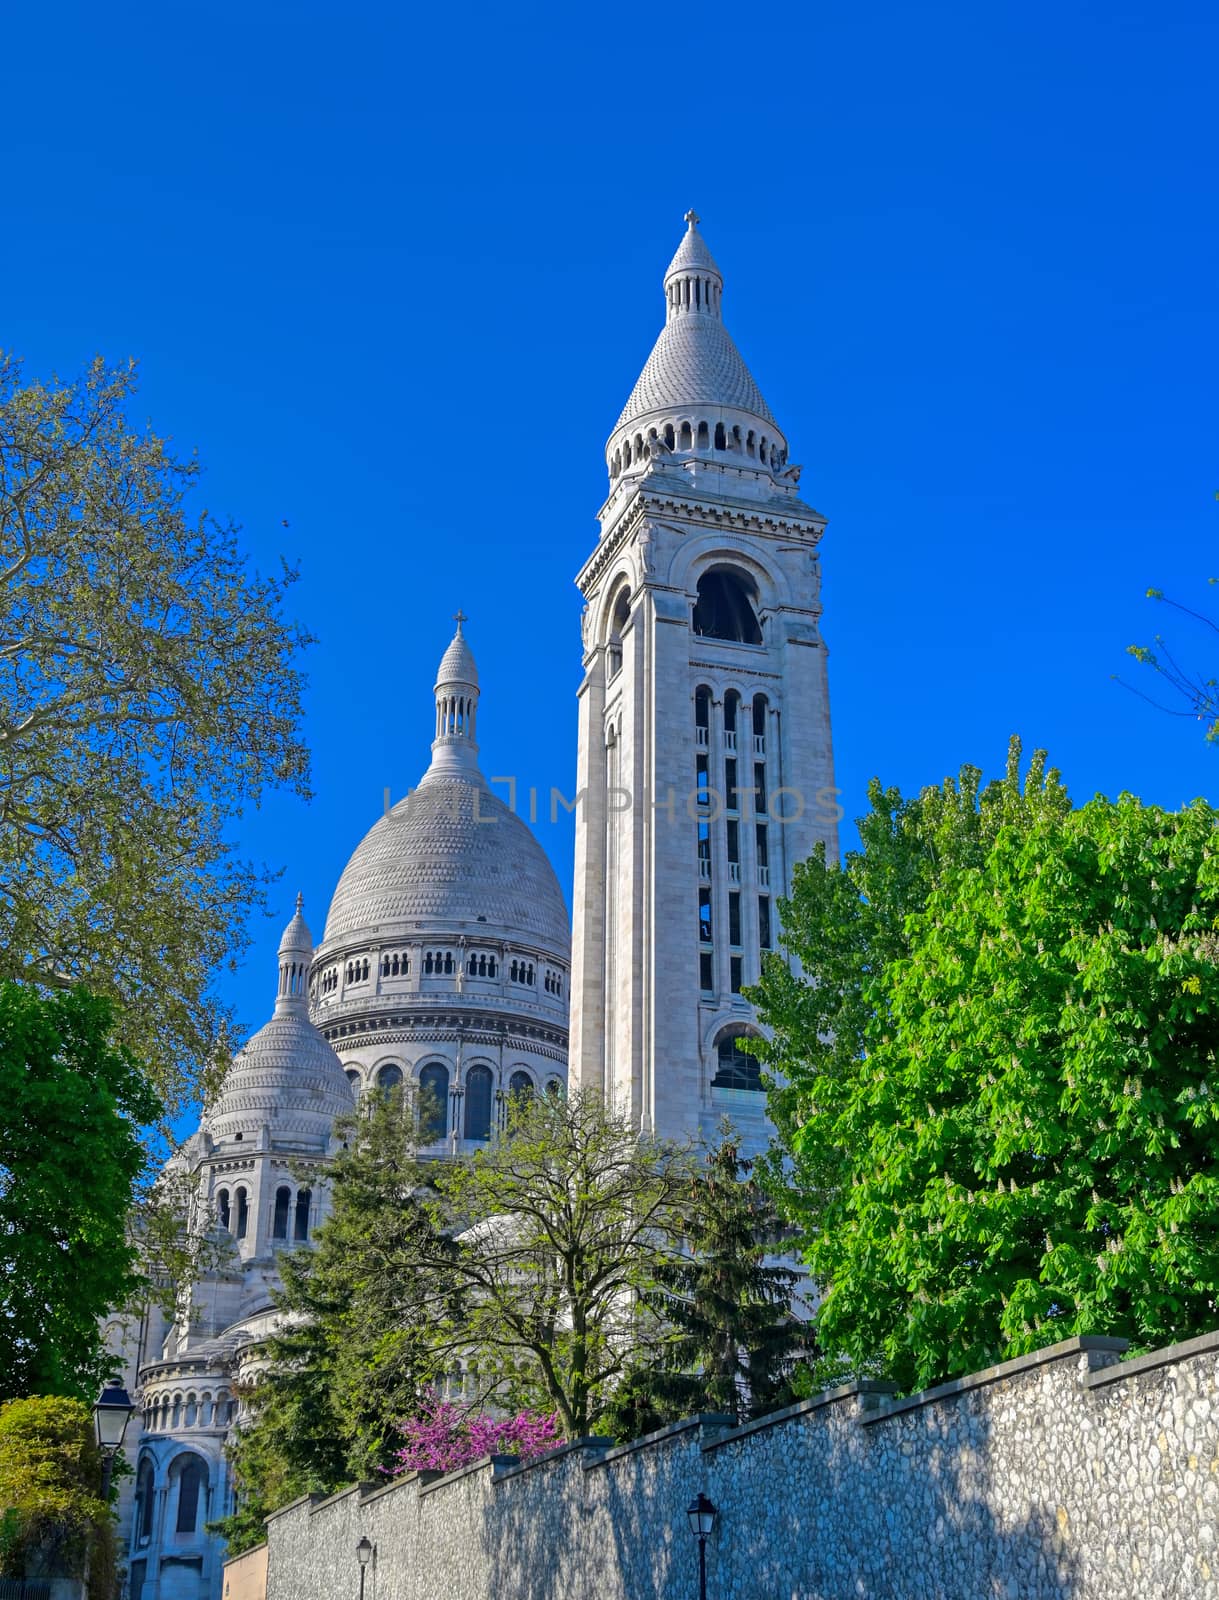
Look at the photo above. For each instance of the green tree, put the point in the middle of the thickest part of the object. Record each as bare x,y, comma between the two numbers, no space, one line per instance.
727,1305
148,693
71,1106
53,1520
996,1112
558,1230
352,1354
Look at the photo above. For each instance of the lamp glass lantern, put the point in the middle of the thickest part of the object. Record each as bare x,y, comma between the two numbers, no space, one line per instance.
364,1551
111,1414
702,1515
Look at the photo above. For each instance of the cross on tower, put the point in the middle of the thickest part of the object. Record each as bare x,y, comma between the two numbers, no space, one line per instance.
692,217
459,617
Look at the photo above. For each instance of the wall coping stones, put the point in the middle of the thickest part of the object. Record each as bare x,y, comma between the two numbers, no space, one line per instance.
1087,1343
322,1501
704,1419
498,1464
1171,1354
871,1390
588,1441
310,1499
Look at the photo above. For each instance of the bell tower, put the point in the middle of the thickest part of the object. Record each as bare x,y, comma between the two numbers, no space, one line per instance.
705,759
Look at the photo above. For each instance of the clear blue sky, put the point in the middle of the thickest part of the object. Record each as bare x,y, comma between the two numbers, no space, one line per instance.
393,271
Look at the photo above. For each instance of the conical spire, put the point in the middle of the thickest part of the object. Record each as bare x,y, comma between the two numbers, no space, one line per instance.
695,398
295,954
455,747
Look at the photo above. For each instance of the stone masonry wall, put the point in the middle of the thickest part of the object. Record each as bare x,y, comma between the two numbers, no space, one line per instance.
1067,1475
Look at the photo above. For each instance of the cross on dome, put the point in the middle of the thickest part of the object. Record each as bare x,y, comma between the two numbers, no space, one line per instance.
459,617
693,218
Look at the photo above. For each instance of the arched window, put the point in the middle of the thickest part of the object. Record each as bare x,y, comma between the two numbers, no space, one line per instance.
520,1083
283,1202
725,607
619,620
556,1088
704,436
192,1481
222,1209
478,1103
668,435
303,1201
192,1411
433,1103
143,1502
734,1069
243,1213
448,963
686,437
389,1078
721,438
353,1078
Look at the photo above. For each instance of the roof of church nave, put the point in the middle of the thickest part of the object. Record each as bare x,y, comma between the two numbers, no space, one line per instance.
451,857
287,1078
694,360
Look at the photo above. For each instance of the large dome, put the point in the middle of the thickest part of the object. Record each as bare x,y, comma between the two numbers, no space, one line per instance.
450,857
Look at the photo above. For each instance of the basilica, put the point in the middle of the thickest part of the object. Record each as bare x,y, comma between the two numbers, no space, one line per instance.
448,963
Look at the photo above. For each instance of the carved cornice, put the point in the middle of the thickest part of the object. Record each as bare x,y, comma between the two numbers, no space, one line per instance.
764,520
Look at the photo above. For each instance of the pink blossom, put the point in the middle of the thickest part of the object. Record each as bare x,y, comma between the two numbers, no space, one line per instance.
445,1436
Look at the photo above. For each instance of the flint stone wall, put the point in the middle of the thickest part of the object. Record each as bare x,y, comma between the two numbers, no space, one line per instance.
1067,1475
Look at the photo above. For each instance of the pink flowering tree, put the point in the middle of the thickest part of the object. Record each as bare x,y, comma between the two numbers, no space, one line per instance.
445,1436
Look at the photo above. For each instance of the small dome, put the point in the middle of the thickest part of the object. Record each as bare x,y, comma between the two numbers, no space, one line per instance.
451,857
457,663
287,1079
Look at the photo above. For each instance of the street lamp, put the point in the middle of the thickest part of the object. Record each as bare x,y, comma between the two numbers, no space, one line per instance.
364,1554
111,1413
702,1515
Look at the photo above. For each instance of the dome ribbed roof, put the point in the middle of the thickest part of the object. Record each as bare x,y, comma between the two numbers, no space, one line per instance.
694,362
449,854
457,663
287,1079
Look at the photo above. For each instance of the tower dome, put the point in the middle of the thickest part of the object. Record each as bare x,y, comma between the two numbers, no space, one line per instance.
287,1080
451,858
695,396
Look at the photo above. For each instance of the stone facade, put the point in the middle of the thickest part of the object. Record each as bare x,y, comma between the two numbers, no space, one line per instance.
705,764
1066,1475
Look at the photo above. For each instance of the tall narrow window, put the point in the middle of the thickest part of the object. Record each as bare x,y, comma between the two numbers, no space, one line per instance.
732,702
706,979
222,1209
702,717
433,1103
303,1201
702,779
759,786
191,1481
734,841
520,1085
143,1502
734,918
478,1103
732,798
243,1213
704,915
283,1202
764,922
736,972
759,724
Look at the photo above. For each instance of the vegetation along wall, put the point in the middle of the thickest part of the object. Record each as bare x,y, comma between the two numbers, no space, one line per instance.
1069,1474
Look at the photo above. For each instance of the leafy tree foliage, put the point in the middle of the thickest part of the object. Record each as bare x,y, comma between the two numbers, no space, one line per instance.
558,1229
147,694
71,1104
996,1106
732,1339
54,1521
352,1354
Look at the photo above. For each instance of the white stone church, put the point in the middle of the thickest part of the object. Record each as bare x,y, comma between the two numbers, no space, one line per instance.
448,962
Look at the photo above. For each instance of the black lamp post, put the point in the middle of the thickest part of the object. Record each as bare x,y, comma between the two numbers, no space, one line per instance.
111,1413
364,1553
702,1515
